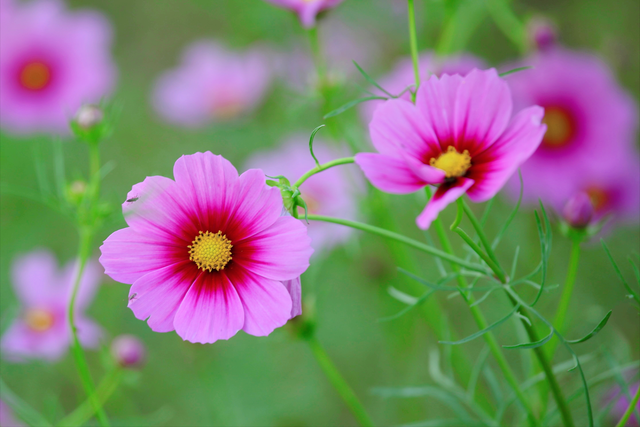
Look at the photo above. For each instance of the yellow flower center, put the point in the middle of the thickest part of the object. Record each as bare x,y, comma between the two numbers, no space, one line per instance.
38,319
210,251
559,127
453,164
35,76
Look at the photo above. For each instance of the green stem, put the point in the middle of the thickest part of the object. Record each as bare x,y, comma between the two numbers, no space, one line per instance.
508,23
484,240
569,283
323,167
316,53
400,238
338,382
630,409
86,410
414,46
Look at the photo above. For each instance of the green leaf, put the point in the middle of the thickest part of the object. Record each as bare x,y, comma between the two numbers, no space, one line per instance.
405,310
531,345
20,407
351,104
313,135
484,331
444,280
370,80
636,272
591,334
512,215
515,70
631,291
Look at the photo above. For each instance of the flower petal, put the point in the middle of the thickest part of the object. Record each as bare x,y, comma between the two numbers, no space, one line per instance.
389,174
445,194
158,294
436,100
294,287
494,167
267,303
33,276
210,311
281,252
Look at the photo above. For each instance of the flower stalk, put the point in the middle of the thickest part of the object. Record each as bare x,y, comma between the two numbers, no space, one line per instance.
414,46
630,409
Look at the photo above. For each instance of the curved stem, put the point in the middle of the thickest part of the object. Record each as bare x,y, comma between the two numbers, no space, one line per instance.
323,167
403,239
338,382
630,409
414,45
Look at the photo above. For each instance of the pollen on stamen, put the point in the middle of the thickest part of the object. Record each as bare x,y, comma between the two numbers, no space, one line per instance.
453,163
210,251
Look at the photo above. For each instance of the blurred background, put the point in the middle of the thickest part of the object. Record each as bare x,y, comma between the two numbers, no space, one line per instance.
275,380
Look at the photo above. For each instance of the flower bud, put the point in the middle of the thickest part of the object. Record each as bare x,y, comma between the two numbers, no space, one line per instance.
75,191
89,116
128,351
578,210
541,33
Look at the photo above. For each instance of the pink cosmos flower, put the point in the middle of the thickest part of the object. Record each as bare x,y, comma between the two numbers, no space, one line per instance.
591,124
333,192
212,84
209,253
51,62
7,418
307,10
402,75
459,135
41,330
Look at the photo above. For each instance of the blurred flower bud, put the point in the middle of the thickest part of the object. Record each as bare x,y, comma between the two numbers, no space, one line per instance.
542,33
75,191
89,116
128,351
578,210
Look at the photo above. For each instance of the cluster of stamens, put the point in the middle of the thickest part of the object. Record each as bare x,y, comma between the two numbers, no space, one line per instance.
453,164
38,319
210,251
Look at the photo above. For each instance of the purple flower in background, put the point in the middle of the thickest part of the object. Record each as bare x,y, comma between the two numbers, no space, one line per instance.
403,76
460,135
578,211
307,10
591,126
128,351
7,419
41,330
542,34
51,62
212,84
333,192
622,403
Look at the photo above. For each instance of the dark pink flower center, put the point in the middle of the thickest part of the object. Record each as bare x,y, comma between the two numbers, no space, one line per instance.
38,319
210,251
34,75
560,127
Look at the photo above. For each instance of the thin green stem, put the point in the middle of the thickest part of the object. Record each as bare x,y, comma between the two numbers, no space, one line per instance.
86,410
630,409
484,240
400,238
316,53
508,23
323,167
497,270
338,382
414,45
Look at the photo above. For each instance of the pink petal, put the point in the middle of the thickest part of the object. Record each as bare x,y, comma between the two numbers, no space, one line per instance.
89,333
483,108
128,255
281,252
502,159
436,100
389,174
210,311
267,303
294,287
397,126
445,194
258,206
427,173
92,276
33,276
208,184
158,294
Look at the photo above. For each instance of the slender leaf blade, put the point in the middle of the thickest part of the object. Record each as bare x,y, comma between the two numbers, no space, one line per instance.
593,333
483,331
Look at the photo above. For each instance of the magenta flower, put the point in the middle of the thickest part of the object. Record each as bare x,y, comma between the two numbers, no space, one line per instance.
41,331
51,62
7,418
402,75
332,193
209,253
307,10
211,84
591,124
459,135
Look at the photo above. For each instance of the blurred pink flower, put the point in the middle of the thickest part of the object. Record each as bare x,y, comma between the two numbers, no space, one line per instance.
622,403
402,75
128,351
7,419
591,127
208,253
541,33
459,135
307,10
333,192
41,331
212,84
51,62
